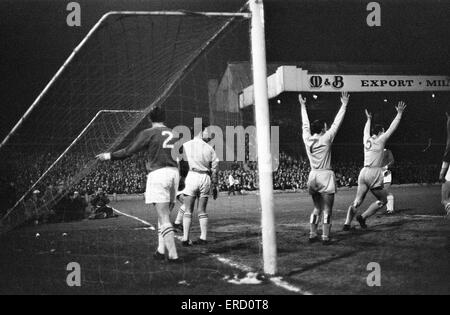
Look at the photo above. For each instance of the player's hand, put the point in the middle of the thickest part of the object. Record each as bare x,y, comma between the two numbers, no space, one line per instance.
302,100
215,193
104,156
400,107
368,114
344,98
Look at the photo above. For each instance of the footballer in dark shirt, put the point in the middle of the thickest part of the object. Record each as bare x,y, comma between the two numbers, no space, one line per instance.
162,179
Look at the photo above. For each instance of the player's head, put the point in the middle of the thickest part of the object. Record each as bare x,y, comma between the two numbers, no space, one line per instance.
319,126
377,130
157,115
204,133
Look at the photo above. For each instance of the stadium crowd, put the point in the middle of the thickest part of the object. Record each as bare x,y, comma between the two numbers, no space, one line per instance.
129,176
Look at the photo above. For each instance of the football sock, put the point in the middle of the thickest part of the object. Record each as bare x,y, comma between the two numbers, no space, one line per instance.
169,240
180,214
350,215
161,246
314,221
203,219
326,229
390,202
186,225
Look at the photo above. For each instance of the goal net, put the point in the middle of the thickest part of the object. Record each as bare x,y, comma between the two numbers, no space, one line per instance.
194,65
128,63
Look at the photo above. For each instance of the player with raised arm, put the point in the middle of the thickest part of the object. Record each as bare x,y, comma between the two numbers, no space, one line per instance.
322,181
200,180
371,176
444,175
162,179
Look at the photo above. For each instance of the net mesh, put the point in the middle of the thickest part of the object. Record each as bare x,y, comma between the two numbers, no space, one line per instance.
129,64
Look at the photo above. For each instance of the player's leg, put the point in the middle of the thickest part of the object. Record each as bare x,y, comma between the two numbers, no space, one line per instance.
160,192
381,195
351,212
203,220
446,198
161,251
167,231
204,192
190,194
390,197
390,203
178,224
376,179
315,216
189,202
328,201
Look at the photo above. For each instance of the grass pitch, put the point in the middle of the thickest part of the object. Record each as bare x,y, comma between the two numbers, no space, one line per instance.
412,248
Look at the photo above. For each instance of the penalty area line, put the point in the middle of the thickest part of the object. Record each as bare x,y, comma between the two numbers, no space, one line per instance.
151,227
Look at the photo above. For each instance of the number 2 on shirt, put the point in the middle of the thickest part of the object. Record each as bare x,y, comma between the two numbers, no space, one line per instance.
166,144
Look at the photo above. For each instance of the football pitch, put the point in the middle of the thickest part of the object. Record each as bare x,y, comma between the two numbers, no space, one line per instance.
412,248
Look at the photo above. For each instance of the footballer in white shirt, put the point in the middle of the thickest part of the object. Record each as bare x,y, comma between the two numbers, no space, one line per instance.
200,182
371,176
318,140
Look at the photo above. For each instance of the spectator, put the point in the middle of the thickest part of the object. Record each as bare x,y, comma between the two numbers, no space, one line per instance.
100,208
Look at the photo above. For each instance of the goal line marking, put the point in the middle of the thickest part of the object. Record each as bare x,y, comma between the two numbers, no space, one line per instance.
277,281
135,218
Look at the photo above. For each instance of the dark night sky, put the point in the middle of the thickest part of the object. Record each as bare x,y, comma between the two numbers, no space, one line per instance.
35,39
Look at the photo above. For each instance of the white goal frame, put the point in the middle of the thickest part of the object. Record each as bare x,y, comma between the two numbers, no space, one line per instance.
262,122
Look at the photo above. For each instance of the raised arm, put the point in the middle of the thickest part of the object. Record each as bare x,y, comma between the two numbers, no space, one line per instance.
339,116
305,120
394,125
134,147
367,126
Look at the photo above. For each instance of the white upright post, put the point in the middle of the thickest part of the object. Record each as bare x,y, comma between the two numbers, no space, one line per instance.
263,137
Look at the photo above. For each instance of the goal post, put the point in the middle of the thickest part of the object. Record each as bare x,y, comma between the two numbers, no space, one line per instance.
262,122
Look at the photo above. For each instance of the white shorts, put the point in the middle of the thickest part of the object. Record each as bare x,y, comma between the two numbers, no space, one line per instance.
322,182
197,185
372,177
387,177
162,185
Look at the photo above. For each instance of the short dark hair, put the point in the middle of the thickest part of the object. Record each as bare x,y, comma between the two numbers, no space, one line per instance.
317,126
205,124
376,129
157,114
